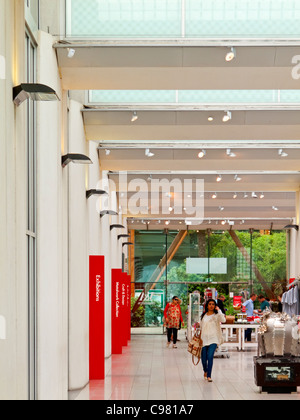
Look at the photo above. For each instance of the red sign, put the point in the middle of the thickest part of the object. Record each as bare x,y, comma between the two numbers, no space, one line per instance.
124,309
237,302
97,318
116,311
129,307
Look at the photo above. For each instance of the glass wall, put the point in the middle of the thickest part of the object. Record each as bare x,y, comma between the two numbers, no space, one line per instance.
235,263
183,18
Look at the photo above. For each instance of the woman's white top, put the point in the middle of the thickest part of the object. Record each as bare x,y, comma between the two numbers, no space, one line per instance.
211,332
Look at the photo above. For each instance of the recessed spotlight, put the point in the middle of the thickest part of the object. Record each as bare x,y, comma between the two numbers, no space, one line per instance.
282,153
227,117
231,54
134,117
210,119
71,52
167,222
148,153
202,154
230,153
223,222
170,208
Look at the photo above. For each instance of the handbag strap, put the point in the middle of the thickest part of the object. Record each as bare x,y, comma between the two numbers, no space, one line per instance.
193,360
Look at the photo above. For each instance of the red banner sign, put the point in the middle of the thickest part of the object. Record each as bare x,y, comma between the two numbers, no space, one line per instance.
97,318
124,309
129,307
116,311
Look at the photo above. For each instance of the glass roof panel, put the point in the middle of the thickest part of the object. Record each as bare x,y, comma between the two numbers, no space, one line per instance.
194,97
183,18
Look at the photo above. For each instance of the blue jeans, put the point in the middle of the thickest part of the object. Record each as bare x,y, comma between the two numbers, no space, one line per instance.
207,357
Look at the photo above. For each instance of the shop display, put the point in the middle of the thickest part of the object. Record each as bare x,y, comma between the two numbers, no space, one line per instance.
195,312
277,366
279,335
291,299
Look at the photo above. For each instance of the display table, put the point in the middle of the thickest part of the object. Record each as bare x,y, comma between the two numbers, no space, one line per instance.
240,342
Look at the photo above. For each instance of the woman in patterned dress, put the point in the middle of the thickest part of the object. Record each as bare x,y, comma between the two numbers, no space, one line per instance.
173,317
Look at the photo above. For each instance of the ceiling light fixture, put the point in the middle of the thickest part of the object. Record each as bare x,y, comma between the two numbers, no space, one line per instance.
219,178
210,119
246,195
296,227
124,235
107,152
231,54
282,153
202,154
71,52
116,227
254,195
214,196
89,193
148,153
230,153
275,208
75,158
227,117
34,91
134,117
237,178
108,212
262,195
235,196
221,208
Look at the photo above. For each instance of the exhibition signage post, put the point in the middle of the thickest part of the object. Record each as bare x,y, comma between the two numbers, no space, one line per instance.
129,307
124,309
97,318
116,311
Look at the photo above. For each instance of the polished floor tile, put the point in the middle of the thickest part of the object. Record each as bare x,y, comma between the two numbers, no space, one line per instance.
147,370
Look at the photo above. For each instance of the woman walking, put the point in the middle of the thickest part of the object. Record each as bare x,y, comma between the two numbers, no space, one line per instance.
173,317
211,335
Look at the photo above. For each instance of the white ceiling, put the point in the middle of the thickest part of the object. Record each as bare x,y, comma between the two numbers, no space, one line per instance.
175,134
110,65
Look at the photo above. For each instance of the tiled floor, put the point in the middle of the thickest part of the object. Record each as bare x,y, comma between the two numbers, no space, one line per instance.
147,370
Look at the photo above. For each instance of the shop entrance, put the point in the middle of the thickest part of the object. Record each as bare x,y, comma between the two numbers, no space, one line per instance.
176,263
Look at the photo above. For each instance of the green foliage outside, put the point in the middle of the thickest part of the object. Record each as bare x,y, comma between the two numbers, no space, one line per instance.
269,255
147,314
